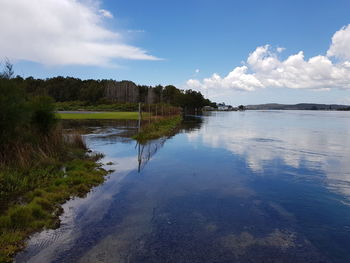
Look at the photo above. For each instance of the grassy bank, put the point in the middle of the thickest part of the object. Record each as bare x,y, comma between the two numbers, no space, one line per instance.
83,105
31,195
101,116
162,127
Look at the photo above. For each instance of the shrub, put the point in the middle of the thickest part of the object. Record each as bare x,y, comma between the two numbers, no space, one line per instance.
14,113
43,114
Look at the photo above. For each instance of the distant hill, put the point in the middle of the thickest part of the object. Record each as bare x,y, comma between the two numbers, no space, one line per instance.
300,106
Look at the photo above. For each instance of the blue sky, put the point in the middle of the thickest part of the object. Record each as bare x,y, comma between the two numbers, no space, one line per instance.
185,42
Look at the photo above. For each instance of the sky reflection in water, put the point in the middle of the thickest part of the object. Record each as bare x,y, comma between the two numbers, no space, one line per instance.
239,187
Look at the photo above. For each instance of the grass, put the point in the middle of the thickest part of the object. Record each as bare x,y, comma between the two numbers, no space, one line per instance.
101,116
31,194
83,105
162,127
40,208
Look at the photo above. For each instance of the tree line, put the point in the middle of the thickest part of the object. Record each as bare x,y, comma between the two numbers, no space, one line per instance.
94,92
27,105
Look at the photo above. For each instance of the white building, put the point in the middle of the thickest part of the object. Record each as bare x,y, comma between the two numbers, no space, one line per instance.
223,107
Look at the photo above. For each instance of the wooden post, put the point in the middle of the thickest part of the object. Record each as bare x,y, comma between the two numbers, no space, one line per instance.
140,116
149,112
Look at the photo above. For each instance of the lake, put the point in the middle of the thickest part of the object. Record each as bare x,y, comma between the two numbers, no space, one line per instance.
254,186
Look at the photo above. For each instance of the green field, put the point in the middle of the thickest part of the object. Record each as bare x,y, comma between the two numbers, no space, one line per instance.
101,116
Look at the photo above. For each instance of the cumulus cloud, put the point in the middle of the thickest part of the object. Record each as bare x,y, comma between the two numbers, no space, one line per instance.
61,32
264,68
340,46
238,78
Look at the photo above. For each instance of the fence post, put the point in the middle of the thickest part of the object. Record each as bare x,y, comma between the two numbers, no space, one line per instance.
140,116
149,112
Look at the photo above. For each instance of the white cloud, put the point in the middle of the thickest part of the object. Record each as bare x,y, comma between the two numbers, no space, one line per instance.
264,68
237,79
340,46
61,32
106,13
136,31
280,49
197,71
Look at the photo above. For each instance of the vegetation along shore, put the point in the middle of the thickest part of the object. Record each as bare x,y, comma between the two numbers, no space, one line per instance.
42,165
159,128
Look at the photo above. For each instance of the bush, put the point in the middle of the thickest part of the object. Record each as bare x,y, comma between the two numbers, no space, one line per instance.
43,114
14,113
27,126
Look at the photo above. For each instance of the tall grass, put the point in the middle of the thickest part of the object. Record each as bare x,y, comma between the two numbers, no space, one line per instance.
35,147
35,178
25,165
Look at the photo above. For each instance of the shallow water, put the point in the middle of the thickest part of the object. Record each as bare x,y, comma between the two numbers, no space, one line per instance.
255,186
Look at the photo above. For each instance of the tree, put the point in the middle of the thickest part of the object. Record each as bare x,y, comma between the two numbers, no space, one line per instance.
8,70
241,108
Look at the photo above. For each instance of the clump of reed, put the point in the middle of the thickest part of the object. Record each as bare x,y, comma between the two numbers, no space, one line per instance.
26,165
27,152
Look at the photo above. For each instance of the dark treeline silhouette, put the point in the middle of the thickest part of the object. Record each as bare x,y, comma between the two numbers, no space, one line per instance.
94,92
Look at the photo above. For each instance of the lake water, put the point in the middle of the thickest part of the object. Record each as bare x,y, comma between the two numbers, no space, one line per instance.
254,186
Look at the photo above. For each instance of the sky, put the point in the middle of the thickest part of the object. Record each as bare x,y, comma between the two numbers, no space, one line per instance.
237,52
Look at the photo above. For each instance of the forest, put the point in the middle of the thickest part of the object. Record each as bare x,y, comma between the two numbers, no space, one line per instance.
97,92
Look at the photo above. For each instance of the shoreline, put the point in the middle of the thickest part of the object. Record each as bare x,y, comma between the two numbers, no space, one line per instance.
39,208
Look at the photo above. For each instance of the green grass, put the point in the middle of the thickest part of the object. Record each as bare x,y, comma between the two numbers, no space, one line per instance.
159,128
101,116
40,190
83,105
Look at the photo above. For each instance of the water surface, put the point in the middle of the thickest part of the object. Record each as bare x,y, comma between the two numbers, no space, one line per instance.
255,186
